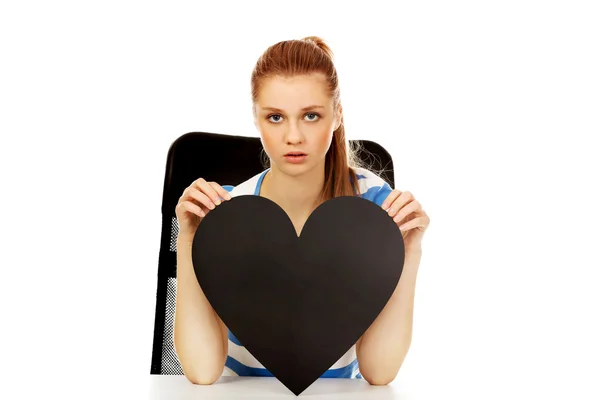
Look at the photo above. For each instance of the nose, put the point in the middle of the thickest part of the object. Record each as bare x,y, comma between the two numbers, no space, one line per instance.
293,135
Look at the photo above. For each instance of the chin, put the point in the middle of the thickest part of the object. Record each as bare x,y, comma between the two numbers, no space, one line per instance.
295,169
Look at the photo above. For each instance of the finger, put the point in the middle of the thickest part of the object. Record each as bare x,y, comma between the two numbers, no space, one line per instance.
400,202
405,219
413,223
191,208
390,199
202,198
411,207
209,191
221,191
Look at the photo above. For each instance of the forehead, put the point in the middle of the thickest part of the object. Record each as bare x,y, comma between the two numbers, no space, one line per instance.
293,92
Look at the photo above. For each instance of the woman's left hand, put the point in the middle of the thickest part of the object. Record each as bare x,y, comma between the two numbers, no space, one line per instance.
410,217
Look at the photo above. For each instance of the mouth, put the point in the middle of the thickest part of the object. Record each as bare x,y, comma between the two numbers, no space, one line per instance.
295,154
295,157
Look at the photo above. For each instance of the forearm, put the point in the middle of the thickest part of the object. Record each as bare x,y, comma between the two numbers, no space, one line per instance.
383,348
200,336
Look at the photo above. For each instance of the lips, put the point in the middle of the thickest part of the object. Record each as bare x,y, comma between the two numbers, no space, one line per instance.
295,157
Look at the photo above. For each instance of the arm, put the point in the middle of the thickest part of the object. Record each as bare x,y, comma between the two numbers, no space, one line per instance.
201,339
383,347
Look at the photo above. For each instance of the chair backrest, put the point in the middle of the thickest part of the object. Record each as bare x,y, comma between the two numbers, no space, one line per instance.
228,160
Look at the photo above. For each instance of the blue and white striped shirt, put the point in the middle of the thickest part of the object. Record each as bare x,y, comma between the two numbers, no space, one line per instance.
239,360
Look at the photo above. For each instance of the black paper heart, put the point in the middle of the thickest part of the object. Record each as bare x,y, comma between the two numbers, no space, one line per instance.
298,304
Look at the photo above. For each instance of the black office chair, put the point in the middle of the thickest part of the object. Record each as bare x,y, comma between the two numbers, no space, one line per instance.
227,160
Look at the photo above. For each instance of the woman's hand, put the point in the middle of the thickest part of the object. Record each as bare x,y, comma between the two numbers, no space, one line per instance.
193,205
410,217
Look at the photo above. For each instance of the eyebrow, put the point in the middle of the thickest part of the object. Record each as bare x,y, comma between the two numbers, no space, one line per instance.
304,109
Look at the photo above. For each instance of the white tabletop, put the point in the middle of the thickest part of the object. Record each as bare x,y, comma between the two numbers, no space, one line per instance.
178,387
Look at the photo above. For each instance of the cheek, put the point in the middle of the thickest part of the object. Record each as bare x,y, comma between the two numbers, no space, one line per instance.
267,138
323,141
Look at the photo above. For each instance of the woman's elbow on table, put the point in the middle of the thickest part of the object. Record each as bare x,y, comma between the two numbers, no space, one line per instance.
205,373
379,380
202,378
377,374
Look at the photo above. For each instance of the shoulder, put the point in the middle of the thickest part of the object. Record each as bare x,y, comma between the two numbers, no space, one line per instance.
371,186
248,187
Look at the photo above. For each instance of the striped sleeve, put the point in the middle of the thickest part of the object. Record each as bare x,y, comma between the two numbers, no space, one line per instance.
372,187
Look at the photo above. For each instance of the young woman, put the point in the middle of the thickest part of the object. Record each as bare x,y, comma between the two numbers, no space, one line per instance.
298,112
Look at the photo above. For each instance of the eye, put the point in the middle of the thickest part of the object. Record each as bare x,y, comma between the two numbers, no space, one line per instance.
273,115
278,117
316,116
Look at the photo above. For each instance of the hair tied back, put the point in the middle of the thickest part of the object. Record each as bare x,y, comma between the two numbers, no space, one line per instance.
320,43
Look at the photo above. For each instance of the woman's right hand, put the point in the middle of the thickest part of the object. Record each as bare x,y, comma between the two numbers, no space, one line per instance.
193,205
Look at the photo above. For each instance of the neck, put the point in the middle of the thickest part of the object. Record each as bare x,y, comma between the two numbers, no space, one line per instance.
297,195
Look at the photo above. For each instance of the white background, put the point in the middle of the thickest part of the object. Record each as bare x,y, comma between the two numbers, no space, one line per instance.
490,110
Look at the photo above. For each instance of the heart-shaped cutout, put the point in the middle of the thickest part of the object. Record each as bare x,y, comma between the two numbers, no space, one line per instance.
298,303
